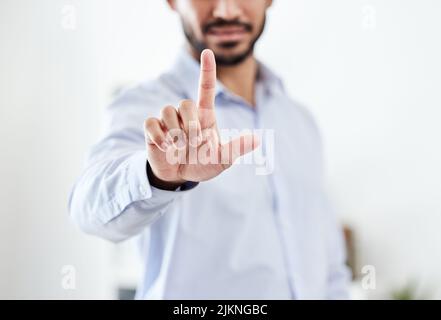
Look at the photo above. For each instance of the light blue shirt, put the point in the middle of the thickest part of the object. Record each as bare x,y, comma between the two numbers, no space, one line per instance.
242,235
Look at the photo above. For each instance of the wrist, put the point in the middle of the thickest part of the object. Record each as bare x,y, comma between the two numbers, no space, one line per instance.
162,184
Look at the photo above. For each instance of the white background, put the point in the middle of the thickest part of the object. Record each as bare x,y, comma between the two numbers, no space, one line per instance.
370,72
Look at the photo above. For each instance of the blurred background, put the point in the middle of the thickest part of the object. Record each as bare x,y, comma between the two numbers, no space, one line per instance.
369,70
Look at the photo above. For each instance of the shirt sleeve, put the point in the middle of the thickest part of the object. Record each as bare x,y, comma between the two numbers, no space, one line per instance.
339,275
113,198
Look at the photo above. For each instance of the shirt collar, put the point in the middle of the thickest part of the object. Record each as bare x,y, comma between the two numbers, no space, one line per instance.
186,71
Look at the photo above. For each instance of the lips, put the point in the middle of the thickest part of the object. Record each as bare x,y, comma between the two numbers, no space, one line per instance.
227,33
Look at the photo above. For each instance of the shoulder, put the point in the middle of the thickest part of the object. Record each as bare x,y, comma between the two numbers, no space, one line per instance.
301,119
149,94
146,99
296,111
304,115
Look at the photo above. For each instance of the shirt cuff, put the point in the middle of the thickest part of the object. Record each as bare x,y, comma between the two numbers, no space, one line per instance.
140,187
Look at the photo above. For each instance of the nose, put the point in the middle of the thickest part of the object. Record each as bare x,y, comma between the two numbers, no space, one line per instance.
227,9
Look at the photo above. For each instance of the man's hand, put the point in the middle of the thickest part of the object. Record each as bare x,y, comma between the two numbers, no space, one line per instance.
184,144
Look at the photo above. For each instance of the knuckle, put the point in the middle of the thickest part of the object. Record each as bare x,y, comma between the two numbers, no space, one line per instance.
186,105
207,85
168,111
150,124
155,136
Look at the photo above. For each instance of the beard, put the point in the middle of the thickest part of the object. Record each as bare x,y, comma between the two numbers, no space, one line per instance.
223,60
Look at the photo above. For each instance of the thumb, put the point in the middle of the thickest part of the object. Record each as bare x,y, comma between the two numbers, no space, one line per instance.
237,148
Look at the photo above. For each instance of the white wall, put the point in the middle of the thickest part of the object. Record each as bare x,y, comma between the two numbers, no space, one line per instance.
374,89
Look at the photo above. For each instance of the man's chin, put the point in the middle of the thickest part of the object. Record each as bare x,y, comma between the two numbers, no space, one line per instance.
231,60
229,47
234,55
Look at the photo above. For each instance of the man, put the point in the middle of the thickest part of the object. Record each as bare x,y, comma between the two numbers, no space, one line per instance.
208,228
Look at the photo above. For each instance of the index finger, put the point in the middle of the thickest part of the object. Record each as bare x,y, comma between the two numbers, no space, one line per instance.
207,81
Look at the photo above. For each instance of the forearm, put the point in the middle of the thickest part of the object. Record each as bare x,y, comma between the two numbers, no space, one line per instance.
113,199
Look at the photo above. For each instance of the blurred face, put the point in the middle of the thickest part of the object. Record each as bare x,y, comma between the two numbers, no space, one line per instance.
228,27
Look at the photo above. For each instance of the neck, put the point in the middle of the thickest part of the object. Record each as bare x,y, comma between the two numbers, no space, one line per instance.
239,79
